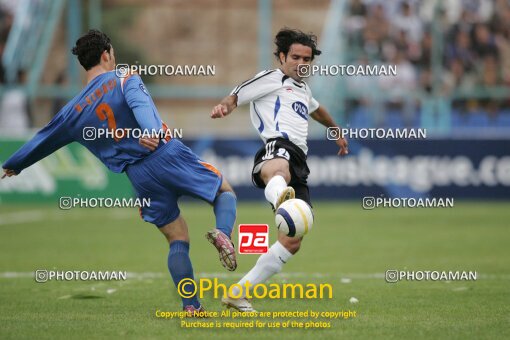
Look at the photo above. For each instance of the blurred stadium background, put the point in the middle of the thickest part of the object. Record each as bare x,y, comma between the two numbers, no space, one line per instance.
453,73
453,77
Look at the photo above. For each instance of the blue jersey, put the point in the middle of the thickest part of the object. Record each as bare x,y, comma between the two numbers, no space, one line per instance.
107,103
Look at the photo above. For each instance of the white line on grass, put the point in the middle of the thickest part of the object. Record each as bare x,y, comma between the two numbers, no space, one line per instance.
156,275
22,217
29,216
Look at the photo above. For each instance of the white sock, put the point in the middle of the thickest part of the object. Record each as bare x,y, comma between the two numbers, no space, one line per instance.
267,265
273,188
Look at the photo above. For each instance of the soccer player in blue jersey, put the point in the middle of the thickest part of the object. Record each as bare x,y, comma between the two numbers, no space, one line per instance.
159,169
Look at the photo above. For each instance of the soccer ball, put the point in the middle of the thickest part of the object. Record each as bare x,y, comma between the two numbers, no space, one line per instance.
294,218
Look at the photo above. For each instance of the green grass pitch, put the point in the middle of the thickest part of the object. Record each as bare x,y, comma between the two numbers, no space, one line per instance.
346,243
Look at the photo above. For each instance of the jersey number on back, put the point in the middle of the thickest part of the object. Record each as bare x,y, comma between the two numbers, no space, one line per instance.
104,111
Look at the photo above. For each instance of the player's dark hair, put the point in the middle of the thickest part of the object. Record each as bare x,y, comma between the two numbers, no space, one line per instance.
89,48
288,36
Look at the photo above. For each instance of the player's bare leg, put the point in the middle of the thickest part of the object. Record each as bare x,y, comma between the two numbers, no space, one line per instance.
267,265
176,231
270,169
179,263
292,244
220,237
276,175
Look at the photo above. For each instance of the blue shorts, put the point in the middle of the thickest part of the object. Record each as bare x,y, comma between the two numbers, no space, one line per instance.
169,172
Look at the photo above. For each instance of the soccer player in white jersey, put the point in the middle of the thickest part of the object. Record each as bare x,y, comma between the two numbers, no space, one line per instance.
280,106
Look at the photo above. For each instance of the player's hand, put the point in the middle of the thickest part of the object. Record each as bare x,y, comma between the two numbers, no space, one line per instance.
219,111
9,173
149,143
343,145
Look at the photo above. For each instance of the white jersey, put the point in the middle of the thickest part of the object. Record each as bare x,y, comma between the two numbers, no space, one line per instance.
279,106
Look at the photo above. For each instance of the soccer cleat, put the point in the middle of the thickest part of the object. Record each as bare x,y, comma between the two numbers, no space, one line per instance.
225,248
287,194
242,304
191,311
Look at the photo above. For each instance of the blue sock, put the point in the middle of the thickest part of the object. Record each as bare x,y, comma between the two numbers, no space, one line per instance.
225,211
179,265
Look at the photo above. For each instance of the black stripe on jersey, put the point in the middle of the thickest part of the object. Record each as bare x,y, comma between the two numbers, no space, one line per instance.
284,78
249,81
300,86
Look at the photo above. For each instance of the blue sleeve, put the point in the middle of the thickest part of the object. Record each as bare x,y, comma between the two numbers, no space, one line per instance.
51,138
140,102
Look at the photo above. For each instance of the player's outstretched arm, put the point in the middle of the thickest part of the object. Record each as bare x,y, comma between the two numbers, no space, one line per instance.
225,107
322,116
48,140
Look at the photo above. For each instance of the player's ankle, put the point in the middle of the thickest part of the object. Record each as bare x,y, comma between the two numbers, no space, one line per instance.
273,188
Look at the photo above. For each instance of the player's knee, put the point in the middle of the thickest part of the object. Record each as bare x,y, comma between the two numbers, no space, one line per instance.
226,187
266,176
275,167
176,231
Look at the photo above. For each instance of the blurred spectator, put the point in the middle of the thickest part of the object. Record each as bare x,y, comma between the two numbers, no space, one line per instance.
357,8
405,80
484,43
2,71
15,114
457,78
359,84
376,31
399,89
489,71
5,25
365,91
355,21
59,102
465,24
406,20
503,44
461,49
475,46
6,19
14,109
424,57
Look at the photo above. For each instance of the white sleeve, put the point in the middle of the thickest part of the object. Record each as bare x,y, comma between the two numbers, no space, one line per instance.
263,83
313,104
